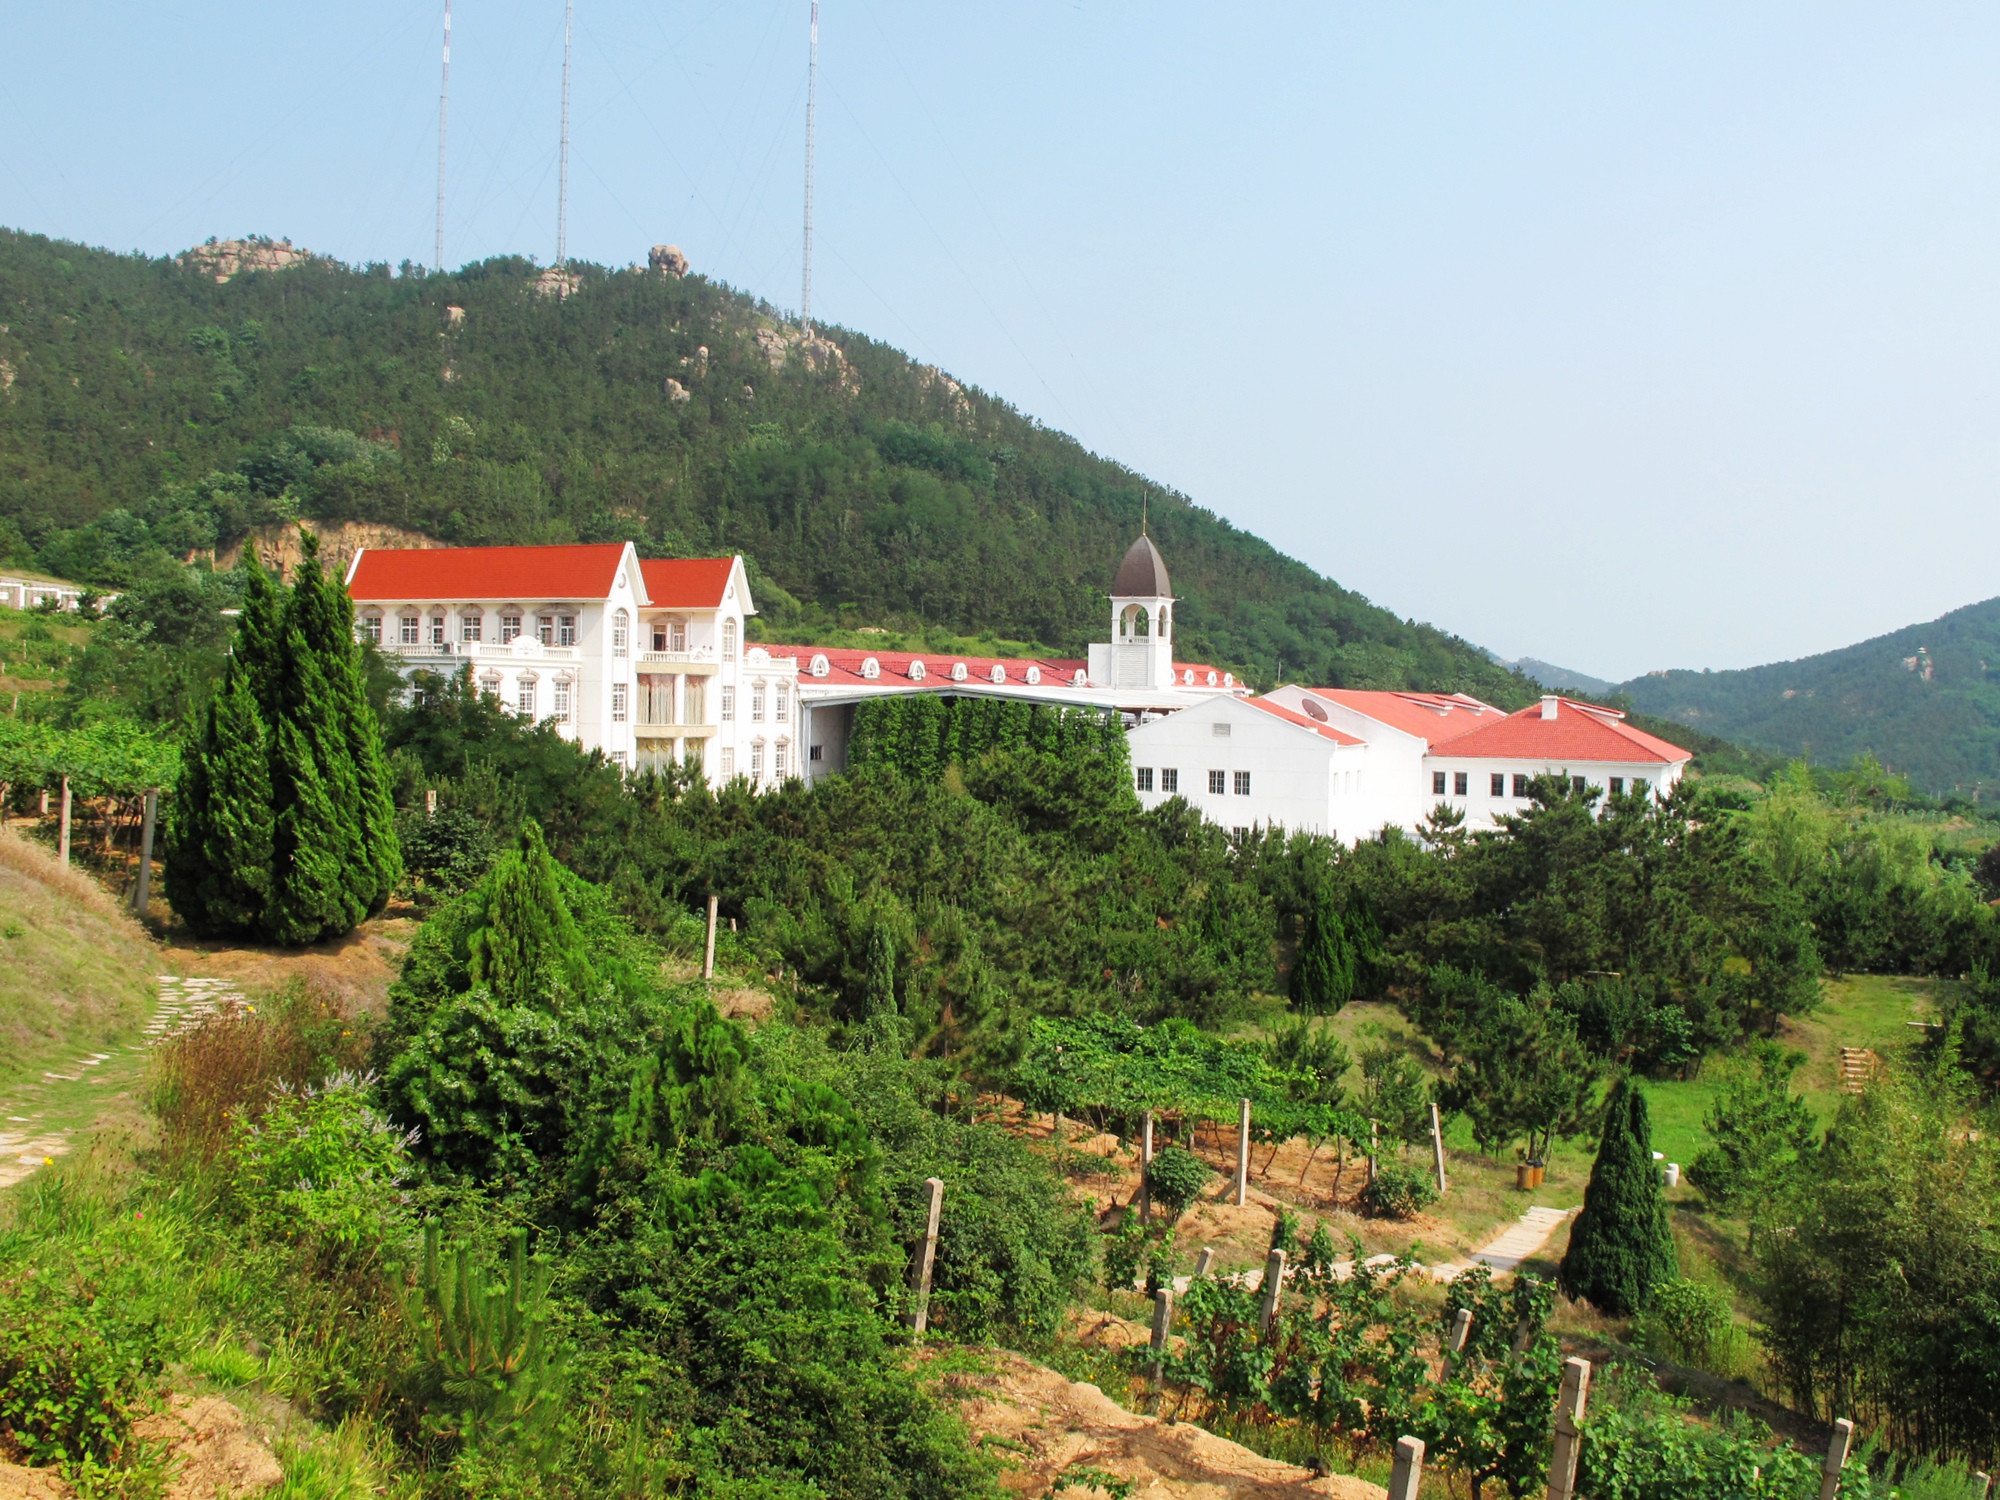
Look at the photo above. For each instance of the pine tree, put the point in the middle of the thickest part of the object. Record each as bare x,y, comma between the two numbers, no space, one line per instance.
237,827
321,881
1323,978
524,945
1621,1246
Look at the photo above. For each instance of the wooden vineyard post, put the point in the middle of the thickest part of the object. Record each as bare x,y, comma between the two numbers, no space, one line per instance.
62,828
1242,1151
1570,1402
1836,1458
1408,1473
920,1304
1985,1483
1461,1329
1145,1161
1437,1147
708,956
143,890
1207,1259
1163,1321
1374,1148
1274,1286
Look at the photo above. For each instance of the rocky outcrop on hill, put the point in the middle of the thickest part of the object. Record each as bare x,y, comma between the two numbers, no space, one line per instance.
557,281
279,549
667,260
223,259
780,345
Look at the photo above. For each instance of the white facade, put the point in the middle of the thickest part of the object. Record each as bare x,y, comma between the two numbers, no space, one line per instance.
23,591
1246,767
649,675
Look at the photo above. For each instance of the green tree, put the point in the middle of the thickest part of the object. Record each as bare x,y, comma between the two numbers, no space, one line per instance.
218,834
1323,978
1763,1132
524,945
1621,1245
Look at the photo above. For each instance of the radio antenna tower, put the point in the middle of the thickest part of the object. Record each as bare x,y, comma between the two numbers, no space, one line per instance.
812,97
444,98
562,171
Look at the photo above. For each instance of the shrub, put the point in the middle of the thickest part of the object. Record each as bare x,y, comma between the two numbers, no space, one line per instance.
322,1167
1692,1323
1398,1192
229,1064
75,1368
1174,1177
1621,1246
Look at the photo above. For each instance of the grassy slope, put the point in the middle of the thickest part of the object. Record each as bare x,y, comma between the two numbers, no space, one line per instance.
76,972
1941,733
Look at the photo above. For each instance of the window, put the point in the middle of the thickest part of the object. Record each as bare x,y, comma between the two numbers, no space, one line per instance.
545,629
1240,831
756,703
1218,783
1437,783
1220,731
728,704
1170,779
1617,785
565,630
1499,785
659,638
371,629
1577,784
620,701
1638,786
562,703
621,632
469,627
1242,783
729,640
525,699
437,630
618,758
784,713
510,629
1458,783
406,630
728,763
756,763
490,684
1145,775
1520,785
694,701
677,635
813,754
778,760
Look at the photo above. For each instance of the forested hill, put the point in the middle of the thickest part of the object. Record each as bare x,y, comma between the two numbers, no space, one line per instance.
147,408
1925,700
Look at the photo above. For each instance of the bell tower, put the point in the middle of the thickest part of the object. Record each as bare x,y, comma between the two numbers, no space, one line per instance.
1141,650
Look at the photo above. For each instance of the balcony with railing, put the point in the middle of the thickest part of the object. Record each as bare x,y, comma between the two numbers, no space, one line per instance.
525,649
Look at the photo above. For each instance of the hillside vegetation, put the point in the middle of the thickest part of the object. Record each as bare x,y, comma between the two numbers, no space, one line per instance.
150,410
1925,700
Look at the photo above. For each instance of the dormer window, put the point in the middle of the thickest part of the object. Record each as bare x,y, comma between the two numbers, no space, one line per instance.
821,667
1034,676
998,674
917,670
1077,679
871,669
958,671
1187,676
1211,679
1229,679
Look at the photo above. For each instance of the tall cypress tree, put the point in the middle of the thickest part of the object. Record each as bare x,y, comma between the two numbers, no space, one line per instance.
325,618
314,845
1323,977
1621,1246
236,857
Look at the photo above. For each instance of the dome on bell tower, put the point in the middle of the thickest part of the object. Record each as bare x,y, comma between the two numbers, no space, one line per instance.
1143,574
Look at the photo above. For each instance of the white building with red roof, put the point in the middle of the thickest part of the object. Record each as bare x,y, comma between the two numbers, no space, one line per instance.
648,661
1348,763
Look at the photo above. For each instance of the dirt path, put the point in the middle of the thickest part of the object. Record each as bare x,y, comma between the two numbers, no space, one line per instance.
1046,1425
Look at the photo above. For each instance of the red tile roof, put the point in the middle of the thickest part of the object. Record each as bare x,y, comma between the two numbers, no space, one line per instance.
1579,734
1324,731
1428,716
844,666
443,573
686,582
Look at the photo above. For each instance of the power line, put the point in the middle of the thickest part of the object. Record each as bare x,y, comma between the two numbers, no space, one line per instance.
562,175
444,95
812,94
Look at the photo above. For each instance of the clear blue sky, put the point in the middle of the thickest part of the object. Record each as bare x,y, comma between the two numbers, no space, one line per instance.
1625,336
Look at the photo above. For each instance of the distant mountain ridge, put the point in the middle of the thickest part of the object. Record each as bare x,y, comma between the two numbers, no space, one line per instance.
1549,675
149,409
1925,700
